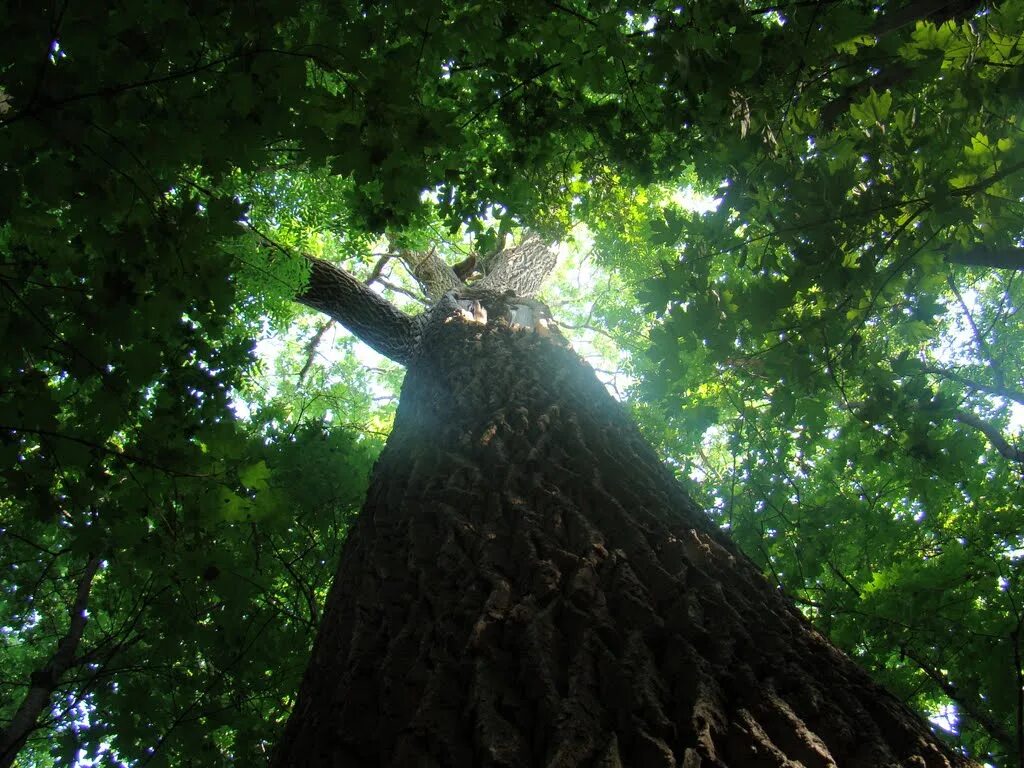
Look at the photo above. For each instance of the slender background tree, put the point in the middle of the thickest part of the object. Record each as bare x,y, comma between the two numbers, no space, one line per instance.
830,357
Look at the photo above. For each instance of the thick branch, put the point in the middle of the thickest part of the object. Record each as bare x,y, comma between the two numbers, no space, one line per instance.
1001,258
936,11
988,181
434,276
994,436
893,75
522,269
371,317
45,679
884,79
1010,394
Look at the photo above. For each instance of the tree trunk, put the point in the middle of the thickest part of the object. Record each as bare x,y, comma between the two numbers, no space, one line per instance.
527,585
46,678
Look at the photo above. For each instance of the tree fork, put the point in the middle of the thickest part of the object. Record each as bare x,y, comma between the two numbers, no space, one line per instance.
527,585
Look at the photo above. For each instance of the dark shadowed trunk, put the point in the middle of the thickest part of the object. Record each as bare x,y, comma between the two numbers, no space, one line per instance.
527,585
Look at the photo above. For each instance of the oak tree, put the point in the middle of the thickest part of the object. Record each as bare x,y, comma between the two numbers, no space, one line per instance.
829,359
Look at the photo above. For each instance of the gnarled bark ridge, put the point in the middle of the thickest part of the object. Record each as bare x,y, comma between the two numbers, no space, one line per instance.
528,585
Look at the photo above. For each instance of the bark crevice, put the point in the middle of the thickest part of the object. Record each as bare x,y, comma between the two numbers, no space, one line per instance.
528,585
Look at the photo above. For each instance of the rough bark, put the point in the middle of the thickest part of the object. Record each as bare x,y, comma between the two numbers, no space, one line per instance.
434,276
527,585
521,269
370,316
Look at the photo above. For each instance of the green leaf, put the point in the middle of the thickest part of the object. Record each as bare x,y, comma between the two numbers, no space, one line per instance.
872,110
255,476
850,46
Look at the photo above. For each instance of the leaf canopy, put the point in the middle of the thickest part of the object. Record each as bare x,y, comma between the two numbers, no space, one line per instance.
831,354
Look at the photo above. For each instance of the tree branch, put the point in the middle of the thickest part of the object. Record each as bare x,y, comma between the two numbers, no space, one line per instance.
981,186
379,267
311,346
936,11
1001,258
46,678
979,338
891,75
986,721
428,269
371,317
885,78
122,455
1019,674
1010,394
994,436
404,291
522,269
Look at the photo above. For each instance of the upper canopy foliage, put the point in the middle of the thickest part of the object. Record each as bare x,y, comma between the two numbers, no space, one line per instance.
833,351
